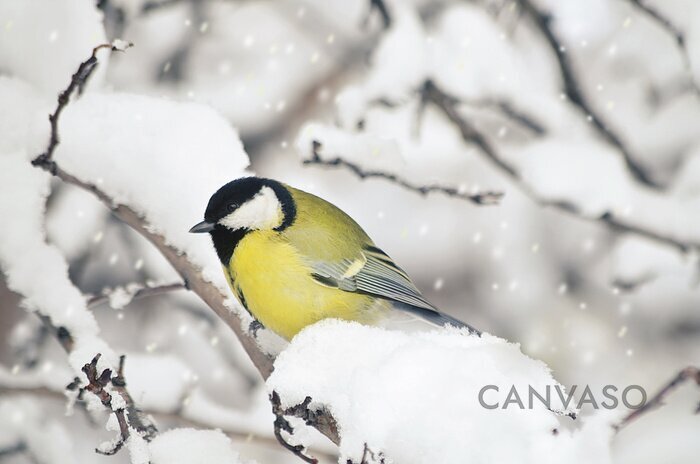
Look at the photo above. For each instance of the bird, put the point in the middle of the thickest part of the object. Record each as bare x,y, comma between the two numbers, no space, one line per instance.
292,259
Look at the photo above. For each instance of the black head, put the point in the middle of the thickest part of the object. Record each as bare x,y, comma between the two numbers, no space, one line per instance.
243,205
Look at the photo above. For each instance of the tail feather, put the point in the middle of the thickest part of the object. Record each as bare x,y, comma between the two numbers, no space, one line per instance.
436,318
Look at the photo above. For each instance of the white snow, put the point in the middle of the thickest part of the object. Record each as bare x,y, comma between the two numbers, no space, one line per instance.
138,448
190,446
414,397
57,379
121,296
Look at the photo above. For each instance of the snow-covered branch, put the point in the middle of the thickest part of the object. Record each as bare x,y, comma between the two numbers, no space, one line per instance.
197,412
479,198
676,33
449,105
188,271
281,424
572,88
191,275
109,389
122,296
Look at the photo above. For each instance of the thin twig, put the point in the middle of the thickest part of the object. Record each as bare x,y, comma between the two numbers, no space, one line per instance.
678,36
143,292
572,89
689,373
282,424
96,385
480,198
504,108
77,82
449,106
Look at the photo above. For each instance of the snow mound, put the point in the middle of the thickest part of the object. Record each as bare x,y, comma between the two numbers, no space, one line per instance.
415,397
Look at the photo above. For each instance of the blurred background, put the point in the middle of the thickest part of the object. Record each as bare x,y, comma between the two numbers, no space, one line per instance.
591,113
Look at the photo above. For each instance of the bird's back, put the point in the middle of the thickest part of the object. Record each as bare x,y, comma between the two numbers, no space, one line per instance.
323,231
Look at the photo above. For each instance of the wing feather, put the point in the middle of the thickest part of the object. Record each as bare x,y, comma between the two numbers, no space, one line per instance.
374,273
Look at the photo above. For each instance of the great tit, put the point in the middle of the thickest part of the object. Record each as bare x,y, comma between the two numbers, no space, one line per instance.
292,259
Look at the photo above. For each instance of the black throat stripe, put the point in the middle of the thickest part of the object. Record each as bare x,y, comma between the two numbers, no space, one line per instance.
225,241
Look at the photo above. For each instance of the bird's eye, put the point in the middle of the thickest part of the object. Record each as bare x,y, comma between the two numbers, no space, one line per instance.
231,207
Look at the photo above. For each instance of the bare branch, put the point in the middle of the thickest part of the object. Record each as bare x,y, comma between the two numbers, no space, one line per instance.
572,89
481,198
677,34
449,106
689,373
319,419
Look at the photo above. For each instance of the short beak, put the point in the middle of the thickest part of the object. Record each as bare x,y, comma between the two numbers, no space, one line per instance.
202,227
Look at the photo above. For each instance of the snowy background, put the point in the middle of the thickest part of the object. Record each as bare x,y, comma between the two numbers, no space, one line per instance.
584,114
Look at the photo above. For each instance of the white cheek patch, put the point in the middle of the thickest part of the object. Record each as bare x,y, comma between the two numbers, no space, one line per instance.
263,211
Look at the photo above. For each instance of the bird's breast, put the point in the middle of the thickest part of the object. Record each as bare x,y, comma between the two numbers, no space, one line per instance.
271,278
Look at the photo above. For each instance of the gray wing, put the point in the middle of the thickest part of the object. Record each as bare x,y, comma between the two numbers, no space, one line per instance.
375,273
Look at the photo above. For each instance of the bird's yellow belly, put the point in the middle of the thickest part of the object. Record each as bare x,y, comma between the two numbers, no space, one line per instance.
269,277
